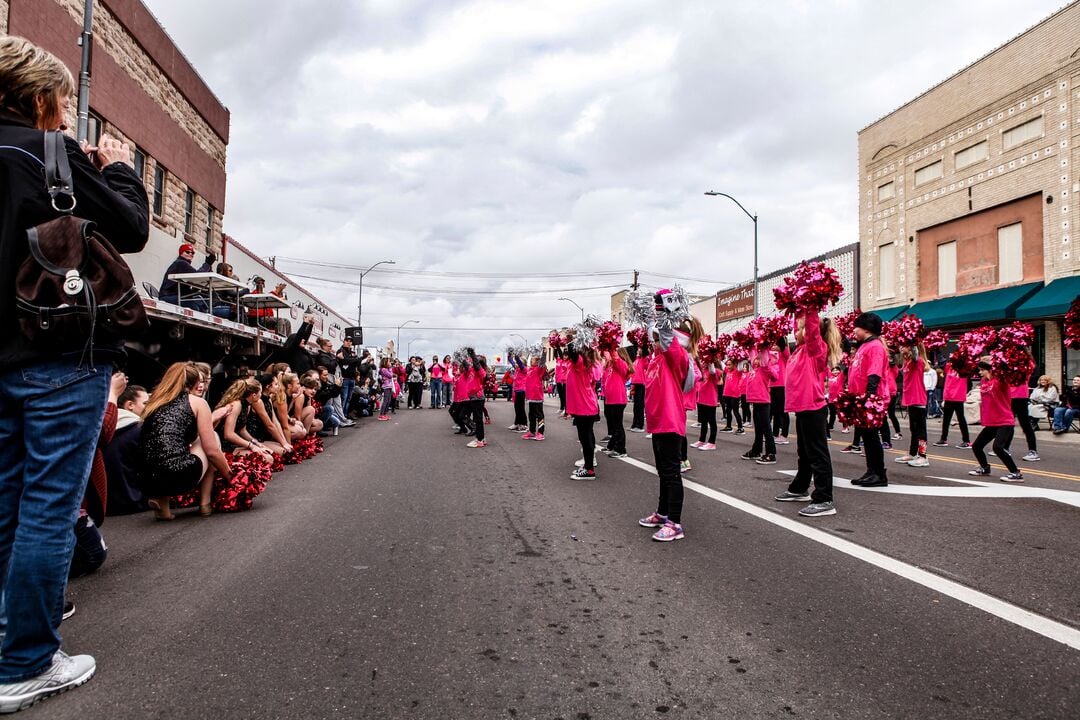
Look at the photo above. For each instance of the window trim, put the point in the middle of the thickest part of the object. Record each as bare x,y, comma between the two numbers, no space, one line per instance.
915,176
209,223
135,155
892,196
189,211
1041,118
1000,264
881,274
953,244
984,142
158,205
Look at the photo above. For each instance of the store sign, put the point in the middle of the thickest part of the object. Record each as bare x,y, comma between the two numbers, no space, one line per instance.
735,303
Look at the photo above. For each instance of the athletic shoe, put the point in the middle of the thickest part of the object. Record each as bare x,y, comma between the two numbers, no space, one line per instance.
652,521
787,496
886,446
706,446
740,431
487,421
851,449
384,417
766,460
616,454
898,436
991,452
697,444
904,459
69,609
818,509
685,466
477,444
749,456
1012,478
512,428
941,443
580,462
919,461
695,424
538,436
727,429
782,441
648,436
845,430
641,430
582,474
527,436
522,429
604,439
874,481
964,446
65,673
1032,456
979,472
669,531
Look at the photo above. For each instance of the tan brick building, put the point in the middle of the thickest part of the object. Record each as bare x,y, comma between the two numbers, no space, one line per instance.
968,197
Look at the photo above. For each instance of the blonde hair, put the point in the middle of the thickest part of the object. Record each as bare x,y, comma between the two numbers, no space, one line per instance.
180,377
239,390
280,367
28,72
696,331
834,348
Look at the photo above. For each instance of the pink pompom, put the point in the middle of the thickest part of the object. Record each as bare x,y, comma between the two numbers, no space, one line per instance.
812,286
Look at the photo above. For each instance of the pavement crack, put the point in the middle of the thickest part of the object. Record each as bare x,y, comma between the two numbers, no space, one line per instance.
528,550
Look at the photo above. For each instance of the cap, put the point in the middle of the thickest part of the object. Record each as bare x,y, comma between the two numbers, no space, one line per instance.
870,322
186,247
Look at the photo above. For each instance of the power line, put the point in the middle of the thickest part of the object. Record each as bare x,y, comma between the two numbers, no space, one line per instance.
454,291
419,328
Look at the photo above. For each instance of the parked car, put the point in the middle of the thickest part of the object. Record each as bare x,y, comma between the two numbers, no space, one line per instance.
502,389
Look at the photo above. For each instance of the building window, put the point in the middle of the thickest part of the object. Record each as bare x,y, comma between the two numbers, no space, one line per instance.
209,224
946,268
93,128
159,190
1020,134
886,191
140,163
971,155
886,271
928,173
1010,254
189,211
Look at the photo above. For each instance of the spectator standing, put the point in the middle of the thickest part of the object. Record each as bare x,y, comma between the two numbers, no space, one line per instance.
415,374
349,364
435,372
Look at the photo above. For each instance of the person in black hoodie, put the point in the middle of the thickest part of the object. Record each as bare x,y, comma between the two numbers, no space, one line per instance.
40,498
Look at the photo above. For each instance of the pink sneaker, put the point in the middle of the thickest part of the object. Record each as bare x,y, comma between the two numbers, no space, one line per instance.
654,520
527,436
538,436
706,446
696,444
668,532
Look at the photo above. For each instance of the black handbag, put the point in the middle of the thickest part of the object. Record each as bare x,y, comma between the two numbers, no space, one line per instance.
73,288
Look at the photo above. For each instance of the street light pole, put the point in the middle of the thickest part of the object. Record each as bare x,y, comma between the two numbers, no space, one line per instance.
754,218
409,346
577,306
398,344
524,342
360,298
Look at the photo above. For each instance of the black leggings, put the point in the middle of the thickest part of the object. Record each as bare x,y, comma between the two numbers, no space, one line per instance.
561,389
814,459
616,432
536,418
762,432
781,421
745,409
587,438
666,448
949,408
731,409
707,417
1020,410
462,415
829,424
520,418
892,415
477,411
416,394
1002,437
873,452
638,422
916,415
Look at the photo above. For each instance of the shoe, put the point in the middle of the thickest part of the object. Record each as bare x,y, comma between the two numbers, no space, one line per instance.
886,446
964,446
669,531
1059,431
527,436
696,445
1012,478
580,462
65,673
383,417
991,453
648,436
904,459
470,433
845,430
941,443
685,466
919,461
766,460
740,431
695,424
749,456
487,421
538,436
522,429
334,432
1032,456
875,481
707,446
512,427
69,609
161,509
898,436
616,454
782,441
477,444
850,449
788,496
640,430
604,439
583,474
350,423
206,510
727,429
979,472
818,509
652,521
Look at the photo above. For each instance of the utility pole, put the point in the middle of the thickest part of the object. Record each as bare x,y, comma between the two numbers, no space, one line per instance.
634,285
86,41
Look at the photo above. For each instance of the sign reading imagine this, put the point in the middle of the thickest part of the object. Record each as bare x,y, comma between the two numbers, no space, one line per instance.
735,303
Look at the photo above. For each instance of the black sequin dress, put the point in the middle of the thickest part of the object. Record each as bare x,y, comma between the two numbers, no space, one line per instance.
169,467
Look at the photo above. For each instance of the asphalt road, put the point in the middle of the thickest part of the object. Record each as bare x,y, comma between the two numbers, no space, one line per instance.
401,574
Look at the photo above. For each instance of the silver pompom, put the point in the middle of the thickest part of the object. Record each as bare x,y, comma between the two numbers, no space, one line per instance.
639,308
585,333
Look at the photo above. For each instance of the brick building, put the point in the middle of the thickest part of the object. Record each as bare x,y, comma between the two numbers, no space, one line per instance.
967,194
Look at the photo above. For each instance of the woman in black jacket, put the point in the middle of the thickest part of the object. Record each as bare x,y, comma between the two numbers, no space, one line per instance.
44,464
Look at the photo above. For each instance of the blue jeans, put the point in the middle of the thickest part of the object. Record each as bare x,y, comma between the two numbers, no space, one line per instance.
1063,417
50,414
347,387
436,392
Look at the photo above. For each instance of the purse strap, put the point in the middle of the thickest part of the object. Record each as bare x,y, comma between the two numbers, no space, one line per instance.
58,172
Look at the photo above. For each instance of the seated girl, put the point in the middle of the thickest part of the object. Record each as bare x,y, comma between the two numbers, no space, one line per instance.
235,438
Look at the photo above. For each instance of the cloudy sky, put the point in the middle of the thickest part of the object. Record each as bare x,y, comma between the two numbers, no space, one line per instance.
556,137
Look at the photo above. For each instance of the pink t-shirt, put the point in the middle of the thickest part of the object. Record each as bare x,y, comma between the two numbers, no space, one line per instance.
759,378
870,359
955,385
709,390
519,379
461,385
640,366
733,383
806,370
562,368
890,379
782,359
614,382
664,411
836,384
436,371
914,389
580,392
534,383
996,409
474,381
1019,391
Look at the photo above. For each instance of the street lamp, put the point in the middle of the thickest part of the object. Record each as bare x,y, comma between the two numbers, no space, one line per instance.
524,342
398,344
577,306
360,298
409,346
754,218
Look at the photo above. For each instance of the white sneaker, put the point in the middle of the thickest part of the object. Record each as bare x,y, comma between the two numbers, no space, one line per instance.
65,673
904,459
919,461
696,444
781,440
1032,456
648,435
580,462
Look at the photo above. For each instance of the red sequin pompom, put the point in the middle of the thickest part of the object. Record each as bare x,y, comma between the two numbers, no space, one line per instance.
813,286
609,336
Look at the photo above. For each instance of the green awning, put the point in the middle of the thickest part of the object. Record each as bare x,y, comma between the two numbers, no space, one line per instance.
1052,301
989,306
890,314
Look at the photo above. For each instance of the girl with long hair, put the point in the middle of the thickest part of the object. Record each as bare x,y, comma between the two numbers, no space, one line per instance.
234,435
708,398
914,399
582,405
1018,398
617,370
763,368
534,397
952,404
998,423
732,396
303,405
689,333
475,373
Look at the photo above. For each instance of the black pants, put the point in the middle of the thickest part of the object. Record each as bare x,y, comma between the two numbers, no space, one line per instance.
536,418
476,409
587,438
462,416
745,409
916,415
665,448
763,437
707,417
616,432
873,452
832,417
520,418
892,414
416,393
1002,437
638,421
949,408
1020,410
781,421
731,409
815,462
561,389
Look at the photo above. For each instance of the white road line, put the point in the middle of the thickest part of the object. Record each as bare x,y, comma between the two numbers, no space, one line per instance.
1046,627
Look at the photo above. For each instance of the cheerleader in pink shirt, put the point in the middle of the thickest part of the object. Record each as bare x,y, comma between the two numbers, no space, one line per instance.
731,397
708,397
562,369
781,421
833,387
914,399
952,403
583,405
617,370
997,419
641,362
1018,398
534,398
763,368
